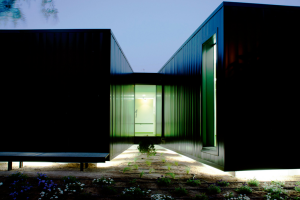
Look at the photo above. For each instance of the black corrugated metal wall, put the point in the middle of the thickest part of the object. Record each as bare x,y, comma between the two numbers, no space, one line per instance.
54,82
182,93
121,102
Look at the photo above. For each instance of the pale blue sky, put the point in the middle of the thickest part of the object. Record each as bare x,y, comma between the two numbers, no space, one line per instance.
149,31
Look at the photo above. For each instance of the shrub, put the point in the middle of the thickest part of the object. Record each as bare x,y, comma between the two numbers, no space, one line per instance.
222,183
163,181
103,181
253,182
297,186
180,191
133,193
201,196
160,196
108,190
69,179
147,146
228,195
193,182
214,189
245,189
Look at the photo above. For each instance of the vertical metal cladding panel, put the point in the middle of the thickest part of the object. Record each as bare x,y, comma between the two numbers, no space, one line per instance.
122,102
260,76
52,89
159,110
182,104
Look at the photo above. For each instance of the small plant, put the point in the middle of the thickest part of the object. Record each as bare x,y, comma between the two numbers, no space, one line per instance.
19,186
103,181
135,159
222,183
163,181
126,169
274,189
228,195
253,182
133,193
171,174
193,182
132,181
147,146
15,177
151,170
160,196
141,174
74,187
135,166
187,169
245,189
214,189
297,186
278,183
169,165
148,162
163,159
108,190
274,196
161,154
43,177
129,163
180,191
201,196
69,179
176,163
50,190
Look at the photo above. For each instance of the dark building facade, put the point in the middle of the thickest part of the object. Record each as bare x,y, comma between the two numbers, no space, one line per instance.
227,94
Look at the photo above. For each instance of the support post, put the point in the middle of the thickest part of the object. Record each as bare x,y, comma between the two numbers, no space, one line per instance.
81,166
9,165
21,164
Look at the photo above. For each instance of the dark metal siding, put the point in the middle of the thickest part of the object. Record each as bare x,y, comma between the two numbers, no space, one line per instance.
182,93
259,86
121,102
54,83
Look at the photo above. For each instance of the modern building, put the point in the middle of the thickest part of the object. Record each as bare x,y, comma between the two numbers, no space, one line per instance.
227,97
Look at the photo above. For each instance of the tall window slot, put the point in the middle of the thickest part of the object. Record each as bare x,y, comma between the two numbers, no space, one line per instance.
209,62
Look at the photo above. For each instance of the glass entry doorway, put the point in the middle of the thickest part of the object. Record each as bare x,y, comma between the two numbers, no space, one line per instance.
145,111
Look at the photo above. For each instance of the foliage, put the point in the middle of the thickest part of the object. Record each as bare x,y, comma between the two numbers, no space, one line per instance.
278,183
19,187
245,189
187,169
163,181
253,182
43,177
135,166
69,179
132,181
129,163
201,196
16,177
180,191
74,187
133,193
50,191
147,146
108,190
163,159
176,163
103,181
297,186
194,182
141,174
160,196
222,183
228,195
151,170
126,169
169,165
214,189
274,196
148,162
171,174
135,159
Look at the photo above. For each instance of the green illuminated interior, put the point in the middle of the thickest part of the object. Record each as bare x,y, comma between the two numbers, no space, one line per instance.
145,110
209,93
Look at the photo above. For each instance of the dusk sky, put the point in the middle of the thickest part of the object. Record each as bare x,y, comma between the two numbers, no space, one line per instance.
148,31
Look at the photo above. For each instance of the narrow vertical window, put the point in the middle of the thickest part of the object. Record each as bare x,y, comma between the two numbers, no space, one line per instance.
209,63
